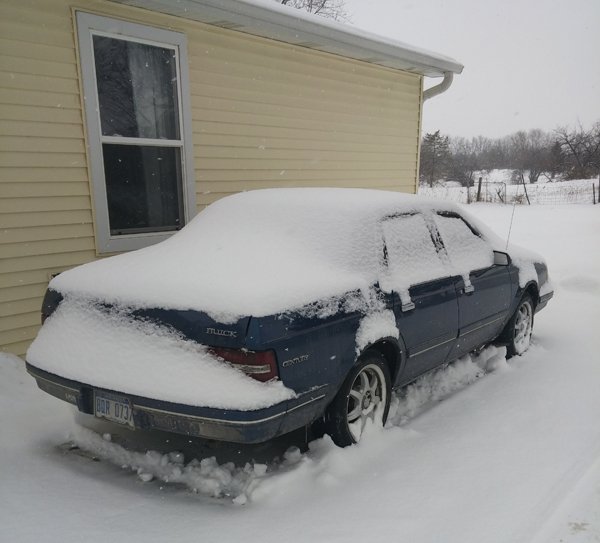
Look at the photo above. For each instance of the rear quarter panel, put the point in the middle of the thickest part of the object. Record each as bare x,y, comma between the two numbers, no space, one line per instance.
311,351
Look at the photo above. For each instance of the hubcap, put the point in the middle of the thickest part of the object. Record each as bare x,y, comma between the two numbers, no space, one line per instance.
523,327
366,400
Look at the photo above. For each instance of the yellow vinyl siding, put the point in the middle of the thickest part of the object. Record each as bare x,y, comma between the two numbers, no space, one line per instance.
19,336
39,98
16,294
37,233
43,218
276,115
49,262
8,309
37,51
55,115
23,190
14,322
264,114
22,279
25,174
32,144
33,205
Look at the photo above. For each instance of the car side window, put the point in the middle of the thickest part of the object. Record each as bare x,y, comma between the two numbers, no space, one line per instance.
411,256
466,250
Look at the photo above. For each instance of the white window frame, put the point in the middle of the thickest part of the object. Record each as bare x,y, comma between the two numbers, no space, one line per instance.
89,25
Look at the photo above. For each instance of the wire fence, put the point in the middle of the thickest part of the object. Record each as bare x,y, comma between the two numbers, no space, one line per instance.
560,192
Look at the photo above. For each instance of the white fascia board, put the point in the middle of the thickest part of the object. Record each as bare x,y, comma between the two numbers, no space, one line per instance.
269,19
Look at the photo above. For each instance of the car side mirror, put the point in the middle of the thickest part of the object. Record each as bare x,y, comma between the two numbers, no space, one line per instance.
501,259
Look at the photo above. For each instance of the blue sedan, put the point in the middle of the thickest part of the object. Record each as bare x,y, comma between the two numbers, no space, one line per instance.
315,303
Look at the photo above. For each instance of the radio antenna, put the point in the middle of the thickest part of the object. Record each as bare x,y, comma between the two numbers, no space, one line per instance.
512,217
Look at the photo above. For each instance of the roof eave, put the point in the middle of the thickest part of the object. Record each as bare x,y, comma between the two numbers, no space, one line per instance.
271,20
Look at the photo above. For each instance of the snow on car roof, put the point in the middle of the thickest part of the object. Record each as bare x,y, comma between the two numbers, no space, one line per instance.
253,253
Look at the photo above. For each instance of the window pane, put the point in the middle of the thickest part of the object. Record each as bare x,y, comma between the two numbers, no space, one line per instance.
411,255
137,89
467,251
143,186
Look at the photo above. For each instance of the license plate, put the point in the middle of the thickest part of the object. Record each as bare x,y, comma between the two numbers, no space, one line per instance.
114,408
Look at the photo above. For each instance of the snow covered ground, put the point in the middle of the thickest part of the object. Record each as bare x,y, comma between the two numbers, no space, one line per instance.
483,450
497,185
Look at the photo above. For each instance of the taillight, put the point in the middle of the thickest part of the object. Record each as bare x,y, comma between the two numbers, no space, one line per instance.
260,365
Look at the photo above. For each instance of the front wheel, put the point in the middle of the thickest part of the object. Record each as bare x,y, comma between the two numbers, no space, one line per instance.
519,328
363,397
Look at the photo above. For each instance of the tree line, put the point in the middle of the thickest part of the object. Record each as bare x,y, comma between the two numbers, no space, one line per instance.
564,153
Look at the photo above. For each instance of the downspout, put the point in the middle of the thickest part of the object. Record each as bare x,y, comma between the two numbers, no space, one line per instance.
440,87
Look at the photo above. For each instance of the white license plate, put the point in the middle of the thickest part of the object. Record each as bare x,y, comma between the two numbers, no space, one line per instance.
114,408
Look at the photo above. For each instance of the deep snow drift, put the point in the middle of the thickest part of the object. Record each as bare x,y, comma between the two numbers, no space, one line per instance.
483,450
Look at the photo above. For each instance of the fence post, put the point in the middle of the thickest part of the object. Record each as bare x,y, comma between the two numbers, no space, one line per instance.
594,193
525,188
479,189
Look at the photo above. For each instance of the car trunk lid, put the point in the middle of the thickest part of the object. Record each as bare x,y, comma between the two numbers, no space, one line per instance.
194,325
198,326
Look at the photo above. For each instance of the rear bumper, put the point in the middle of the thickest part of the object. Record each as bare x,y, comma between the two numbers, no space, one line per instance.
219,424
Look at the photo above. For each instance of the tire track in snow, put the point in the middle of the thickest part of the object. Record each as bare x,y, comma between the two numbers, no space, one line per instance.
557,505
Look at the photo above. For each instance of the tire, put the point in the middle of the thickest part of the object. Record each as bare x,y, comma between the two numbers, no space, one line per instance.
364,395
517,333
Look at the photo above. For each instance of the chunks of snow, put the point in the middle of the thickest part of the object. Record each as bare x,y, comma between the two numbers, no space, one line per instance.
325,465
203,476
375,326
443,382
108,349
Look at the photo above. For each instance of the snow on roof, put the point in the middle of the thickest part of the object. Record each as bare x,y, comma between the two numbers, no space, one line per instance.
253,253
271,20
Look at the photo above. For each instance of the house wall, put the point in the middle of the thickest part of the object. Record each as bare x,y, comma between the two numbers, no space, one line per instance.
264,114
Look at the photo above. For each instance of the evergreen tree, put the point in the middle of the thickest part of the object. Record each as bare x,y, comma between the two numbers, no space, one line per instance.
435,157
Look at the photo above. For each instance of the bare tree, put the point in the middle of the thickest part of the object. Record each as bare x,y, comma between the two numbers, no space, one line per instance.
565,153
556,161
581,150
468,157
531,152
331,9
464,162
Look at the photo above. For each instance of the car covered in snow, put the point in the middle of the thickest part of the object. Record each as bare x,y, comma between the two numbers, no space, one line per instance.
276,309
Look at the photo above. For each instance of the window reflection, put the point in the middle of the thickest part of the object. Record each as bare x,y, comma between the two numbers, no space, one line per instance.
143,188
137,89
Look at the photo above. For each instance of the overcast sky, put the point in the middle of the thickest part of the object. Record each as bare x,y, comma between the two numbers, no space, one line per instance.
528,63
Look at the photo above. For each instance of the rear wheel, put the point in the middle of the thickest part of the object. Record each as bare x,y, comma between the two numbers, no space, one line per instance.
364,397
519,328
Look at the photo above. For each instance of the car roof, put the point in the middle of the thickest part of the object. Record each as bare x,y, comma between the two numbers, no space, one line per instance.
254,253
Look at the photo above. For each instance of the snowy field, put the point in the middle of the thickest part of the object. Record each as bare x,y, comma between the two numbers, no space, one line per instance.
497,186
482,451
